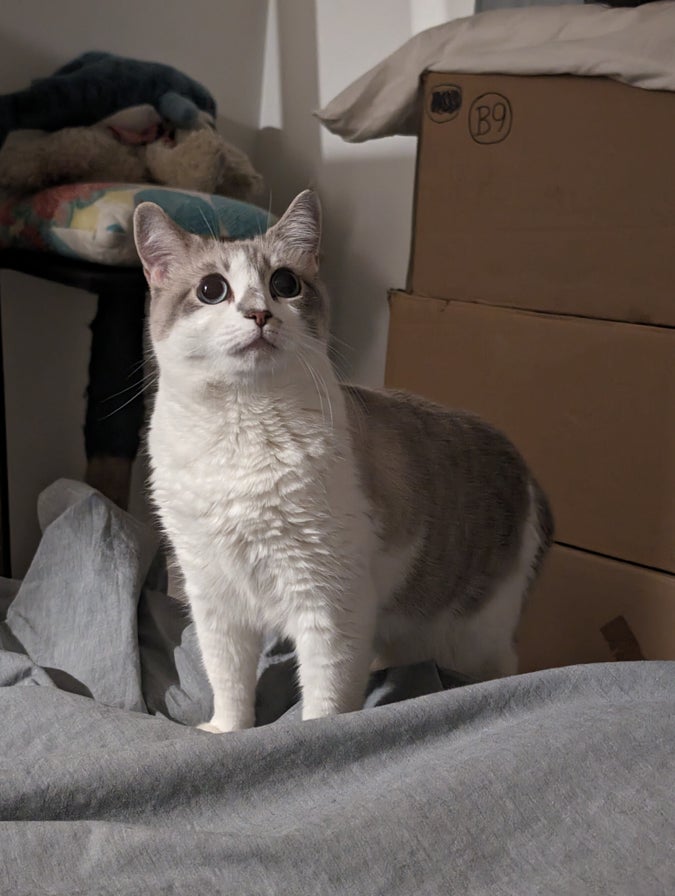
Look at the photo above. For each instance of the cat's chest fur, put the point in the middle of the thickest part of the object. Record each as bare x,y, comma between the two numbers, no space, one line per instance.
257,491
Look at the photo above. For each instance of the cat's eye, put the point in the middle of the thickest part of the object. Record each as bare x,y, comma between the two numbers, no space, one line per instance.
284,284
213,289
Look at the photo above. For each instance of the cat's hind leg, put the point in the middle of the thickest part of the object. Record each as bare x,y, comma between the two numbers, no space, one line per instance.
482,644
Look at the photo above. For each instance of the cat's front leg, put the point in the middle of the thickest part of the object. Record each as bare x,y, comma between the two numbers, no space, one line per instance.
230,652
335,649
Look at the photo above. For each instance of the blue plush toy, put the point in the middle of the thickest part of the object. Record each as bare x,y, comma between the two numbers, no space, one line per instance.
96,85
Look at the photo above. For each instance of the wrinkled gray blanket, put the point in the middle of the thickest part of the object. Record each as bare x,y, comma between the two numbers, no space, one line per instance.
560,782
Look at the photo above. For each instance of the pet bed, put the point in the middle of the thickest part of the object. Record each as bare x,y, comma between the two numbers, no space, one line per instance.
94,221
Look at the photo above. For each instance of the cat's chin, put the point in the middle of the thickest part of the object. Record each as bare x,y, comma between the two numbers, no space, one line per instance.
256,360
257,346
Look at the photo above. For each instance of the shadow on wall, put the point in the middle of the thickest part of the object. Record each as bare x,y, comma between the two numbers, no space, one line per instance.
290,156
367,220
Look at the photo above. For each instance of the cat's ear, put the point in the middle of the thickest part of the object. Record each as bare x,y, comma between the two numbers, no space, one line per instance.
159,240
300,226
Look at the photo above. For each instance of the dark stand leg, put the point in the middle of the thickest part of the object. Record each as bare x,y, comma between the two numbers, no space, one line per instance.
115,406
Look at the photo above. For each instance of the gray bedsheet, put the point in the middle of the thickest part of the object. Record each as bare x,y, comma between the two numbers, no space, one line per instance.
556,783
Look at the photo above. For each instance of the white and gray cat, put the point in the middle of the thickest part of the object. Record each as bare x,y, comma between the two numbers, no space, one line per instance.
371,527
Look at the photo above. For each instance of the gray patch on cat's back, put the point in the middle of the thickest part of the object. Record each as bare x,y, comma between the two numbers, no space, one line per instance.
383,460
447,479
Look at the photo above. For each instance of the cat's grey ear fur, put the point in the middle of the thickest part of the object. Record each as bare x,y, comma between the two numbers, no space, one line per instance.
159,240
300,225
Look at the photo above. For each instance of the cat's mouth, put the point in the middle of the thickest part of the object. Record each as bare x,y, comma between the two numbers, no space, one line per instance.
258,344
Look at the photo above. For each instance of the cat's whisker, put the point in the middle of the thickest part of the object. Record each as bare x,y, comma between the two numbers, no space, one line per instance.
133,398
327,394
136,368
147,358
359,408
320,382
360,411
314,345
209,227
341,365
309,370
328,347
347,345
319,350
143,381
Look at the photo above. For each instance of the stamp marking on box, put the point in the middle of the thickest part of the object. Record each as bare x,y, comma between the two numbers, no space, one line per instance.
490,118
444,103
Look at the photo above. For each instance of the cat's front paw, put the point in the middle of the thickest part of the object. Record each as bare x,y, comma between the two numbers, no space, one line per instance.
209,726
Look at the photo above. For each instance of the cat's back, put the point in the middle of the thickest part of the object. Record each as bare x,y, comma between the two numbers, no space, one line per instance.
396,432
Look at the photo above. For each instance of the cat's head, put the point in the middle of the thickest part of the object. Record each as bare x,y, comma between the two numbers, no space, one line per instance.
234,311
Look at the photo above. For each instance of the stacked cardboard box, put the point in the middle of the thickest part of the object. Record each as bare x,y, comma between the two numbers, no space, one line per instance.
541,295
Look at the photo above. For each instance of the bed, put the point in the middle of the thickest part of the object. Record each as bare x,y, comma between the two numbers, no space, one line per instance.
556,782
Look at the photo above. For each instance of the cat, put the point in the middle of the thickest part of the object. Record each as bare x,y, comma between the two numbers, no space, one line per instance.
371,527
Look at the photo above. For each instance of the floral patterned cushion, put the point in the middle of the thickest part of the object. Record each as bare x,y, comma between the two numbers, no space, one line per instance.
94,221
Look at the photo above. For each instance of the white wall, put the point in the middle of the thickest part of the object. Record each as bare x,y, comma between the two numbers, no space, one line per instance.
45,327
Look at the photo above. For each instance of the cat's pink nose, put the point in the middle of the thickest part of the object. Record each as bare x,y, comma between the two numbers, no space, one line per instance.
260,317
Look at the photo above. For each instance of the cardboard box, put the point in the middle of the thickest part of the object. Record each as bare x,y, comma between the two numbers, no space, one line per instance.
546,193
589,403
587,609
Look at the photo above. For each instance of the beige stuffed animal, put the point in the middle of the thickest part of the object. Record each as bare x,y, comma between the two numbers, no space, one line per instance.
193,160
202,160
